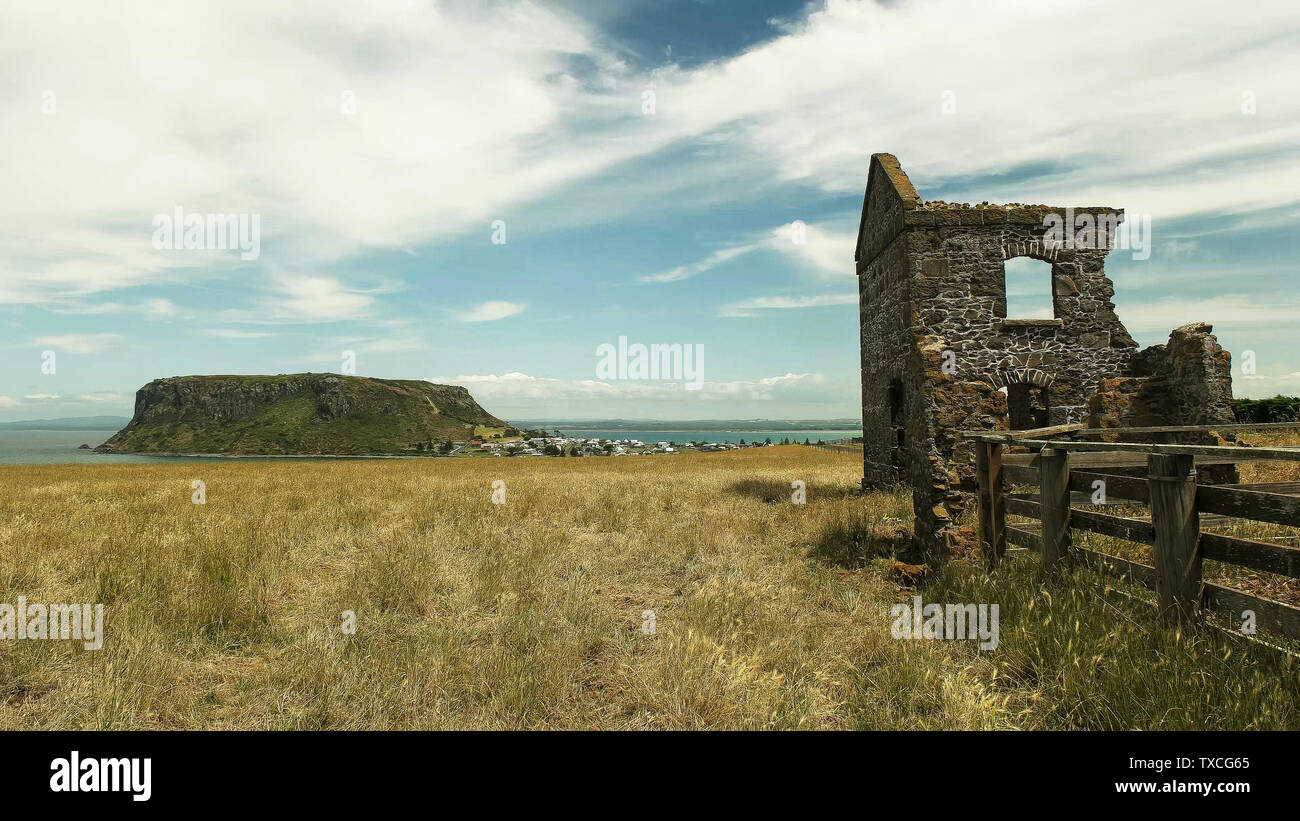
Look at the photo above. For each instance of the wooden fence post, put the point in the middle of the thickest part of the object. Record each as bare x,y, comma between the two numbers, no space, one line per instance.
1054,502
992,506
1172,478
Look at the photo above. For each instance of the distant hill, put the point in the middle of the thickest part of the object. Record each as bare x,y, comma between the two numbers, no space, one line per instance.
68,423
296,414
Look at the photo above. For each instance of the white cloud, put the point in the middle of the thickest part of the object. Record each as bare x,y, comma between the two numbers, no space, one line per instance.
711,261
151,308
490,311
303,298
104,396
41,397
826,254
235,333
1223,312
77,343
448,135
1152,95
8,402
235,110
1265,379
1177,249
1262,387
751,307
823,253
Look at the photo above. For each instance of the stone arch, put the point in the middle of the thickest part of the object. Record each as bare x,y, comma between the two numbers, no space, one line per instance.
1029,402
1007,377
1033,248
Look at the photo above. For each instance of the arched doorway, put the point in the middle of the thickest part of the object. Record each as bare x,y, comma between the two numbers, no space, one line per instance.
1027,406
1029,398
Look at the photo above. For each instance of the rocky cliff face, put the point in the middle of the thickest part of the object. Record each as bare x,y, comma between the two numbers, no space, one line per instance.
296,414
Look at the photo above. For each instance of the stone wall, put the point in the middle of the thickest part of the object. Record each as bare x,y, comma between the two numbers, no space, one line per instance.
1187,381
886,343
937,344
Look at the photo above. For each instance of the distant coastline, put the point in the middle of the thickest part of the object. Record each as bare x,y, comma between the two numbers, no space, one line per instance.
697,425
96,423
43,446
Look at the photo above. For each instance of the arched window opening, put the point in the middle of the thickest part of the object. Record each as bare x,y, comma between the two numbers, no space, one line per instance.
1028,285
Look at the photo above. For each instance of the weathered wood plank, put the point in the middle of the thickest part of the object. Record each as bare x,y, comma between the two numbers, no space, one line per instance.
1018,505
1286,488
1177,545
1080,498
1282,454
1143,574
1129,464
984,501
1023,536
1045,433
1054,503
997,504
1274,616
1119,527
1266,556
1121,487
1271,615
1019,474
1277,508
1007,437
1265,426
1011,437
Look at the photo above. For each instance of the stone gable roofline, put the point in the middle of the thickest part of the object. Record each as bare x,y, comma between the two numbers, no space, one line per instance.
897,177
943,213
901,196
906,209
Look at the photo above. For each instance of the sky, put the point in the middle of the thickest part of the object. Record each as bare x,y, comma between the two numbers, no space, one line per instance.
485,193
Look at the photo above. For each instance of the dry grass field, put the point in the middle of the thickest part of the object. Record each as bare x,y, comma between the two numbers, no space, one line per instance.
529,614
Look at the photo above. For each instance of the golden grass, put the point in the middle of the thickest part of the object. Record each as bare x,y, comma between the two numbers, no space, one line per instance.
1270,471
1268,585
470,615
529,614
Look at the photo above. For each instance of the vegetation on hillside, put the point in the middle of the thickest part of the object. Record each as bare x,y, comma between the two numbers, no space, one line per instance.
298,414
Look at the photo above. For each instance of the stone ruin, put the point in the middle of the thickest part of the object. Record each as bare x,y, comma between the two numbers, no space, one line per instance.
941,356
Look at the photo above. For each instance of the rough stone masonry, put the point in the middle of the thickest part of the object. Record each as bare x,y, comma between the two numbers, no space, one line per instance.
941,356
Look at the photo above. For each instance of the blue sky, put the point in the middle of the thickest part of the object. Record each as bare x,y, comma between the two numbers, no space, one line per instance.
380,143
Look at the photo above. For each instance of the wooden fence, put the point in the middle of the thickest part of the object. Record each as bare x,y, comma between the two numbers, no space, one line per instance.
849,444
1178,507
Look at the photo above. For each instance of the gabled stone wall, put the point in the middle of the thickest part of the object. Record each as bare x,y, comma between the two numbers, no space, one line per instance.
937,345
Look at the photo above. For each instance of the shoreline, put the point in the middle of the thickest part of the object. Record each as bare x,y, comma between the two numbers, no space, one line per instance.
266,455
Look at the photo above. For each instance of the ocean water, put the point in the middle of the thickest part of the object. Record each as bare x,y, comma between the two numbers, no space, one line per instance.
53,447
44,447
681,436
56,447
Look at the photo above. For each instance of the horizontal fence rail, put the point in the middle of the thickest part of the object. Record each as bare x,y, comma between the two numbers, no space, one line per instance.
848,444
1178,508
